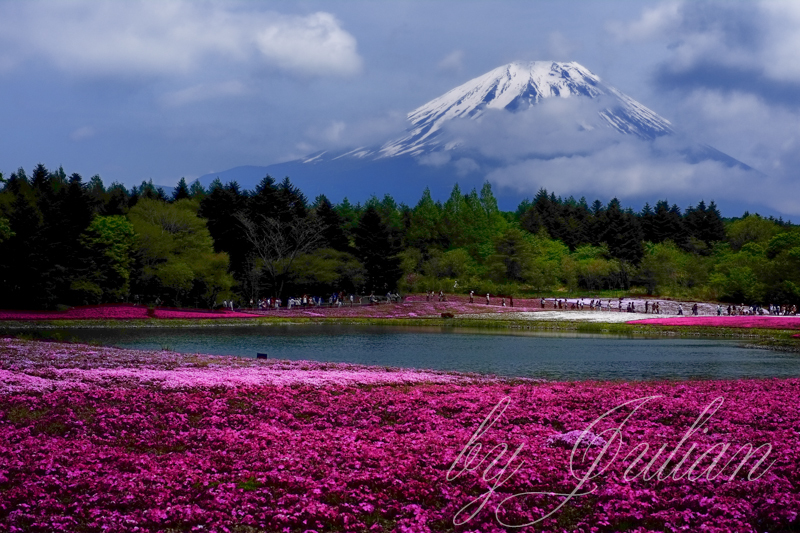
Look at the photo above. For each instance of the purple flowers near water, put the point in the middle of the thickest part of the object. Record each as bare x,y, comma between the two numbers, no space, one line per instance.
110,440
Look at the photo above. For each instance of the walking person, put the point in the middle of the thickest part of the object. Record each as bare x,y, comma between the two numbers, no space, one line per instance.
471,296
487,298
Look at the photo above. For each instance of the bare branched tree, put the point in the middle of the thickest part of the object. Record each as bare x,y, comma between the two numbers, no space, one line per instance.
279,243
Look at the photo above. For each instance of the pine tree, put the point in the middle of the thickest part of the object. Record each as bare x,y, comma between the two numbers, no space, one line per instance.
622,233
668,225
377,248
333,233
117,199
197,191
181,192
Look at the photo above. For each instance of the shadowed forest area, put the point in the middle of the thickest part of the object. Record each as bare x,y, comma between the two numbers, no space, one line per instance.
65,241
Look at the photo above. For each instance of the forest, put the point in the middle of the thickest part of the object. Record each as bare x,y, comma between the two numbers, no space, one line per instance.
66,242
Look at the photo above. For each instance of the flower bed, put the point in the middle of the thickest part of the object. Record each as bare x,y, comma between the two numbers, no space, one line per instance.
228,446
413,307
769,322
117,312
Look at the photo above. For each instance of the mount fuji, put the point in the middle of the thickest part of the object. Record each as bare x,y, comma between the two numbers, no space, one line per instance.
517,126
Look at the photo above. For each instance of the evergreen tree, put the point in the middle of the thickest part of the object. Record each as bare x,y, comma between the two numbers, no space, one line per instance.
196,191
219,209
333,234
424,230
292,203
181,192
349,213
23,268
523,207
647,222
117,201
377,248
667,225
265,200
40,180
513,257
95,188
622,233
704,223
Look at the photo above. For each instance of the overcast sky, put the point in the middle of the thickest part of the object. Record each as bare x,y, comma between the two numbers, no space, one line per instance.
140,90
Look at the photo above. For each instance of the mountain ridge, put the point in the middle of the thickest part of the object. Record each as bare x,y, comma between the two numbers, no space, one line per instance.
427,153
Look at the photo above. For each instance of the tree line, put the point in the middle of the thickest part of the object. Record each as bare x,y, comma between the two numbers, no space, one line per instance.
66,241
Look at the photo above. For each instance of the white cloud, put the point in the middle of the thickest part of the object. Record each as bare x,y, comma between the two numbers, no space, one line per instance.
730,75
558,126
631,170
764,35
82,133
466,166
136,38
315,44
452,62
628,169
559,145
560,48
339,134
434,159
333,133
782,40
203,91
763,136
653,23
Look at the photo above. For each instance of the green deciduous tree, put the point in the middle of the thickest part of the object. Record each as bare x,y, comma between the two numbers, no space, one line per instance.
752,228
325,271
5,229
175,253
107,253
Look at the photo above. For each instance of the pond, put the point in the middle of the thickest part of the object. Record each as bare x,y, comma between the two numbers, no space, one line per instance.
569,356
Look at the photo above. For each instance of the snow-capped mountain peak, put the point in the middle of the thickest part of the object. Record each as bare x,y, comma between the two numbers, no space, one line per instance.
515,87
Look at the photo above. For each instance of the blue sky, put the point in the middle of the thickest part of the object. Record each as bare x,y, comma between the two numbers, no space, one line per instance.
159,90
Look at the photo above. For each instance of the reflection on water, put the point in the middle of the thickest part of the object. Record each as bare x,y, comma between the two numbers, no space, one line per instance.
559,356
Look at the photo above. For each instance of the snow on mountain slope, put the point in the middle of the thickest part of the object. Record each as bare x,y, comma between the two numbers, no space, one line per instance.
521,126
516,87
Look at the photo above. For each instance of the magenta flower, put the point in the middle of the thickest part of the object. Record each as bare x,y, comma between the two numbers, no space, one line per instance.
110,440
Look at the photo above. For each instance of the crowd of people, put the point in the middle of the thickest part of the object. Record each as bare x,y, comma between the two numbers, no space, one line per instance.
340,299
337,299
775,310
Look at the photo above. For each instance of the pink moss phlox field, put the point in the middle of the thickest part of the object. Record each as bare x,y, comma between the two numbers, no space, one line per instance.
27,366
756,321
117,312
359,455
413,306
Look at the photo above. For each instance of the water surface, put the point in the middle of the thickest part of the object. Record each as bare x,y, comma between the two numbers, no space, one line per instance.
560,356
